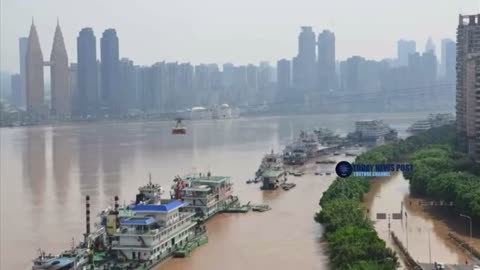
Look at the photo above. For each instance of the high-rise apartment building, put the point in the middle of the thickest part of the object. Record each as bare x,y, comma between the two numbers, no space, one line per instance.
73,86
404,49
284,75
109,50
23,45
16,88
34,76
61,96
446,43
125,99
468,47
86,103
304,67
326,77
430,46
449,53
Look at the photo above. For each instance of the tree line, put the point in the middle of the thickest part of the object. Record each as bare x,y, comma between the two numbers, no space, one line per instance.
440,171
352,240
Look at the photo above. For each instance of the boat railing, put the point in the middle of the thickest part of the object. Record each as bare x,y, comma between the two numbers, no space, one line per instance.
156,231
203,196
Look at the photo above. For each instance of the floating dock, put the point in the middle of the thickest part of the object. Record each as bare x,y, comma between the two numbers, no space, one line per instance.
183,251
288,186
261,207
237,209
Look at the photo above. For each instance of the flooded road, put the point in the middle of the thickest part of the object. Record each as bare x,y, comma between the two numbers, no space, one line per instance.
424,231
46,172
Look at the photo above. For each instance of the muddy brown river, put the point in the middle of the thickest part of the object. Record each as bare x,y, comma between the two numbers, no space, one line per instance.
46,172
425,229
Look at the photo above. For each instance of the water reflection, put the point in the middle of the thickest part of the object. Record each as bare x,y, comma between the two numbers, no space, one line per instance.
34,165
88,164
62,151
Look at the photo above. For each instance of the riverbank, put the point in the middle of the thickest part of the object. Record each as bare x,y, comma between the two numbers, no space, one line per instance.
351,237
444,183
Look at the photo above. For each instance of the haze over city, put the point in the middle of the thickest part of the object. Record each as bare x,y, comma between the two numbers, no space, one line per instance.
240,32
216,134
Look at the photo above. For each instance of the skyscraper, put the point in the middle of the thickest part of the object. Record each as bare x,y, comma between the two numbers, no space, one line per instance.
185,97
110,69
284,75
326,61
468,42
73,86
239,84
405,48
430,46
304,63
448,51
61,96
227,81
125,98
201,84
34,75
15,89
265,82
23,45
450,62
87,73
252,83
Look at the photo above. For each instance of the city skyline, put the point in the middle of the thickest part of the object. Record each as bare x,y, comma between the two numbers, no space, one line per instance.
183,39
169,86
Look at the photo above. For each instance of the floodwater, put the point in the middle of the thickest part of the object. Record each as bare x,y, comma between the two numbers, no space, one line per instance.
46,172
425,230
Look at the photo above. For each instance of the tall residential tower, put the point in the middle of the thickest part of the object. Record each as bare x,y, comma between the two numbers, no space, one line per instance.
109,69
404,49
61,96
468,47
87,73
34,76
304,63
326,78
23,46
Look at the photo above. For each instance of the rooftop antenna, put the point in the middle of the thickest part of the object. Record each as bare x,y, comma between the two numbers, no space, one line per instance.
150,178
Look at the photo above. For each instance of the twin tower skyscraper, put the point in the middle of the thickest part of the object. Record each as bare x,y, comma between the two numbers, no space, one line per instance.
75,90
59,77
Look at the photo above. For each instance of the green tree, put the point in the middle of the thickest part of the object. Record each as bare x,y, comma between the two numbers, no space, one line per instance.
350,244
342,212
371,265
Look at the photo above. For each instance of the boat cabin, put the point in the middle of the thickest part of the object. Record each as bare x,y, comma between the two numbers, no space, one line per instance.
271,179
151,231
206,195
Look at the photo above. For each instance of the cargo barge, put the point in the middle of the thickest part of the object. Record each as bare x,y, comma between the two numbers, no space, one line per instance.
151,229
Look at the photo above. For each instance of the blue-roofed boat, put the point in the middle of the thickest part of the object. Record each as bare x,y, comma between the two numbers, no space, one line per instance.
52,263
132,236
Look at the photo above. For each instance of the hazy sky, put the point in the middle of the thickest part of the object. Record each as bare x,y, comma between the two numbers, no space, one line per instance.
237,31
